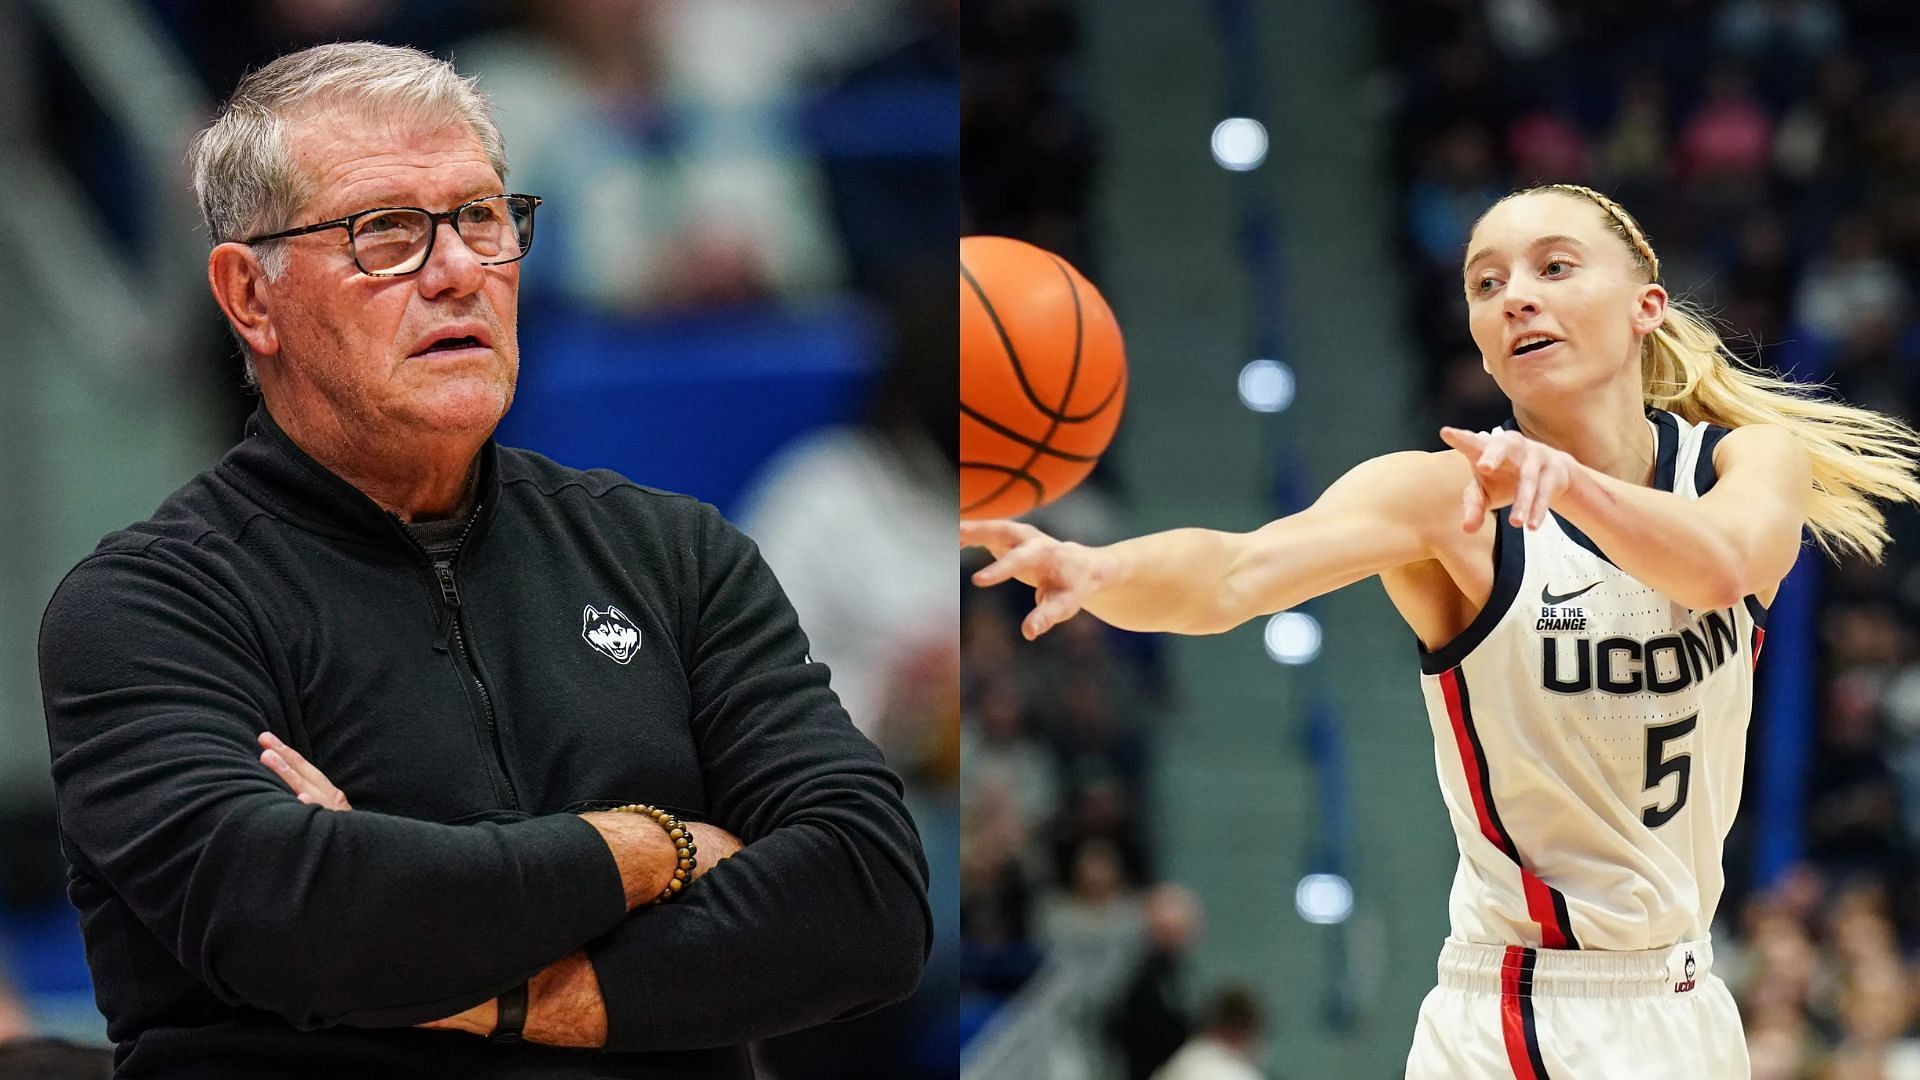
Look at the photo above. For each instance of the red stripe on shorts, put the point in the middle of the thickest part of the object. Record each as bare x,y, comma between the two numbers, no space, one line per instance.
1513,1023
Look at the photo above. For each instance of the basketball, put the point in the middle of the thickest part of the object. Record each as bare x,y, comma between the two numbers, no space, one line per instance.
1043,376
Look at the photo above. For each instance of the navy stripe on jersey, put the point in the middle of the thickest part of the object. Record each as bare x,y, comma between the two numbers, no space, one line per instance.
1509,566
1527,959
1502,838
1560,915
1705,472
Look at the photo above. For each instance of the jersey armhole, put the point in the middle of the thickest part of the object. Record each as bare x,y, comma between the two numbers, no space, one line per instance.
1704,476
1704,473
1509,566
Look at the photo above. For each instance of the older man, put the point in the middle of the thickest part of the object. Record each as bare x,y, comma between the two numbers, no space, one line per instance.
338,735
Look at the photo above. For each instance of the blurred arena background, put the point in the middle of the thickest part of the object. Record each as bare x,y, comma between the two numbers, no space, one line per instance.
1151,822
741,290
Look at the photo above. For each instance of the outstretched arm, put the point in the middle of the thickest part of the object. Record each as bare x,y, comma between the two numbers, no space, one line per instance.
1382,514
1737,540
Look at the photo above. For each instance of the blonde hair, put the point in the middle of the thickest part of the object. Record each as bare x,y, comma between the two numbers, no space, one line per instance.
1858,455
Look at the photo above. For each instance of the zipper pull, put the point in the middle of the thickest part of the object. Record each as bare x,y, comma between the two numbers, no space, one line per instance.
443,571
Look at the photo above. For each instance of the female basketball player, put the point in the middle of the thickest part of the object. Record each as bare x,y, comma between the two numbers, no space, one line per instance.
1588,585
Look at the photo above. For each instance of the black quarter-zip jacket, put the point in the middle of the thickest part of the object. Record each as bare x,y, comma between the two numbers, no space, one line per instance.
469,711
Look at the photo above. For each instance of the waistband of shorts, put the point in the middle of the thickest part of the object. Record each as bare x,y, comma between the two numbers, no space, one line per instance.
1589,973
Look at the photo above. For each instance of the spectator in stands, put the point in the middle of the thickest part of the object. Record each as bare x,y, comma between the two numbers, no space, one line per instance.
999,748
1150,1021
1852,282
1228,1043
997,895
856,518
657,197
1634,149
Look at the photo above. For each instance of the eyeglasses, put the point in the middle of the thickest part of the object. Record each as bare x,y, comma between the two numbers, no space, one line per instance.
390,241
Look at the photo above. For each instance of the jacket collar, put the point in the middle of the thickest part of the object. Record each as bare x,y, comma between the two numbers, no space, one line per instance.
271,467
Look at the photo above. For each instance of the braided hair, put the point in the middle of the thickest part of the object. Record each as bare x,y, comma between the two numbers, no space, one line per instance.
1623,223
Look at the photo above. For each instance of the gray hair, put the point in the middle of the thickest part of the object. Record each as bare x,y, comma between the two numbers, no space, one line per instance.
244,173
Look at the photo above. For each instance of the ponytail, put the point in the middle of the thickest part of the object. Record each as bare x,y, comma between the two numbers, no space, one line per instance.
1858,455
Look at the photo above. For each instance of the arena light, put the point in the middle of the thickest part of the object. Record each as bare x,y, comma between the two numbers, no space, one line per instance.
1239,143
1266,386
1293,637
1323,899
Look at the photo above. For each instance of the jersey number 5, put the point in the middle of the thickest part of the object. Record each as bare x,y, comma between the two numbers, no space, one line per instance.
1660,766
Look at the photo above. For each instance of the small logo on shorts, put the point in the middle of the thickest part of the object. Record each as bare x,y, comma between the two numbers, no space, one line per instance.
1683,987
610,632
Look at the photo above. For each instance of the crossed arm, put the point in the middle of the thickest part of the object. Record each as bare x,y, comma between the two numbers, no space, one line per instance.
564,1005
156,691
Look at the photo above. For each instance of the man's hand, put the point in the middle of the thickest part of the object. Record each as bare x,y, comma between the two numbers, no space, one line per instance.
647,857
309,784
564,1007
479,1020
1510,469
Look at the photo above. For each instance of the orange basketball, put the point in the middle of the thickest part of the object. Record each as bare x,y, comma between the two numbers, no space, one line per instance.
1043,376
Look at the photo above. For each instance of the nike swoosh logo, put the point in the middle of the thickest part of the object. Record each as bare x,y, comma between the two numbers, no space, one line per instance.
1547,597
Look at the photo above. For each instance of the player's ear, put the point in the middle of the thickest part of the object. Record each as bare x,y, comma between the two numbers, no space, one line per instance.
1649,309
240,287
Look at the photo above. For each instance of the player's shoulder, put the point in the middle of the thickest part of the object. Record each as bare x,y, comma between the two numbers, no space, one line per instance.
1770,450
1775,436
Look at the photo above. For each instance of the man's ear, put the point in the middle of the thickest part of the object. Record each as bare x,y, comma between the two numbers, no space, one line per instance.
240,287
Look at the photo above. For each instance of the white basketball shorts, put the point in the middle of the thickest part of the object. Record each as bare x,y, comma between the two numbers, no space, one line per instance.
1503,1011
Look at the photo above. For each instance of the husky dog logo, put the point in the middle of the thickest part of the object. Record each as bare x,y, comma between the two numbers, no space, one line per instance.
610,632
1690,968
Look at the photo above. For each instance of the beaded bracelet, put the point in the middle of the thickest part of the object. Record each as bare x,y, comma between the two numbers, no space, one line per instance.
683,847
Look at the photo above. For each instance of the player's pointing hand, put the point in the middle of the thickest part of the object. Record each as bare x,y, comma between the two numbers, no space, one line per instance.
1509,469
1063,574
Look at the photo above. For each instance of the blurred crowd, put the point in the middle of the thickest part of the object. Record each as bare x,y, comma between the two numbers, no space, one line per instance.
1771,149
1062,907
708,161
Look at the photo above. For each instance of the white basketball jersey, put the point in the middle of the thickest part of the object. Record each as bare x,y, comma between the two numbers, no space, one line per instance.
1591,735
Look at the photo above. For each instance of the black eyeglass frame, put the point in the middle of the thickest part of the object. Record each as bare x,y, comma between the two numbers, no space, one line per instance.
451,217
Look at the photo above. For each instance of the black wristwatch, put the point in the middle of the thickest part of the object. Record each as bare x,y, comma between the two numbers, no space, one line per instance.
510,1027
